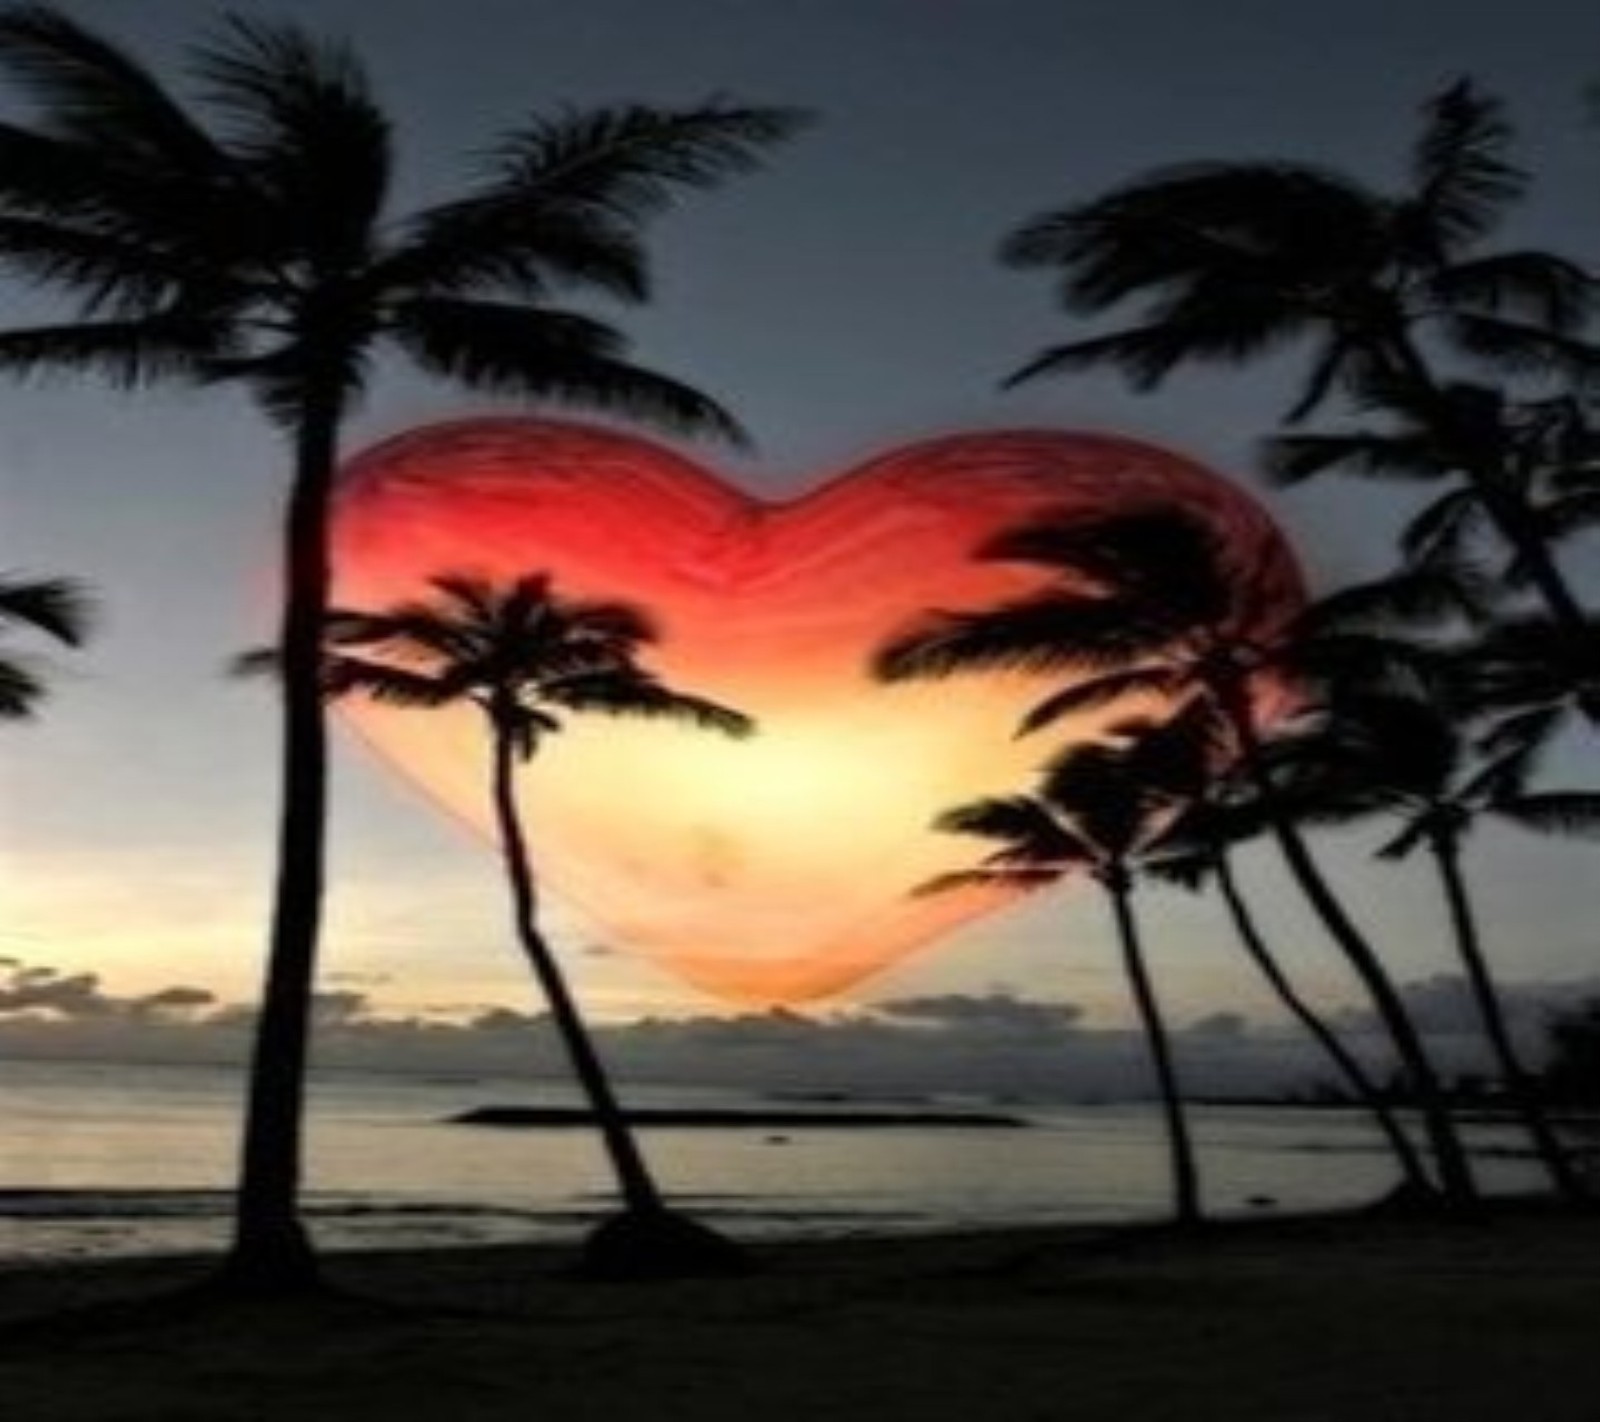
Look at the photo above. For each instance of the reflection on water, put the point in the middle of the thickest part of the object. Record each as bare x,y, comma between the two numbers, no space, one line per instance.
107,1159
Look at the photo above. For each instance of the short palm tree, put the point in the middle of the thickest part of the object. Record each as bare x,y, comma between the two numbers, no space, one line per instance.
1165,615
1231,261
57,607
248,238
526,656
1095,810
1413,758
1198,850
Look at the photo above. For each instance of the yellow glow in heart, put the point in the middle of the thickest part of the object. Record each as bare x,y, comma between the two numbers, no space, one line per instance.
775,869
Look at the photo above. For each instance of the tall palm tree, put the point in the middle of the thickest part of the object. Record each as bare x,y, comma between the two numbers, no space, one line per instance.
248,238
1230,261
1197,850
1168,619
1412,758
57,607
1095,809
525,656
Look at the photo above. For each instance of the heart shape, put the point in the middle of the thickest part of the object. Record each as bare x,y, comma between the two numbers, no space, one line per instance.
775,869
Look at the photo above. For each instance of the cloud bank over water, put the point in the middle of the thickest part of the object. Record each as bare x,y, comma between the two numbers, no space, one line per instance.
993,1044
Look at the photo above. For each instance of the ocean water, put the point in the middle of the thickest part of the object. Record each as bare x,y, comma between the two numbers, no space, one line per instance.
101,1159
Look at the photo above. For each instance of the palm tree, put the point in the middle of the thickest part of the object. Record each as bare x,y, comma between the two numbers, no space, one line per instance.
1546,457
1234,260
1412,758
1169,619
57,607
1198,850
248,239
1095,809
524,656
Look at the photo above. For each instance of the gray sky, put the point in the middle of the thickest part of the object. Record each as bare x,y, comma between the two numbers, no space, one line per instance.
843,301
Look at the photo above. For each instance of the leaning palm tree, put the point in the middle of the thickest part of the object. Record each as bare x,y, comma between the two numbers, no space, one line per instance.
1164,616
1095,809
1412,758
524,656
1198,850
1228,262
57,607
248,238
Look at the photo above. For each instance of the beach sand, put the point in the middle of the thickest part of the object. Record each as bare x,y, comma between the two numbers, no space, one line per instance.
1360,1319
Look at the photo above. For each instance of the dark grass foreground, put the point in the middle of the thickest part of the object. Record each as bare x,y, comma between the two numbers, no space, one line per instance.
1378,1319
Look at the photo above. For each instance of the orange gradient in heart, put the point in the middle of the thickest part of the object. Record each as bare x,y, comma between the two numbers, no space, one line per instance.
776,869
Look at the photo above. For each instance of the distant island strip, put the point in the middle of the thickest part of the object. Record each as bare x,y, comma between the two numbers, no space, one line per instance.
756,1118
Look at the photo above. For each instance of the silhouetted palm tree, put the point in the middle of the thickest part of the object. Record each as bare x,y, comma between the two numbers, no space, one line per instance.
248,239
525,656
1546,463
1410,757
1168,619
57,607
1095,809
1231,261
1198,850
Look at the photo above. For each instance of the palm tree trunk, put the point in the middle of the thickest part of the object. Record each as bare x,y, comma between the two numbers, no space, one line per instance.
1365,1089
1185,1174
271,1250
1524,1094
634,1181
1450,1155
1455,1171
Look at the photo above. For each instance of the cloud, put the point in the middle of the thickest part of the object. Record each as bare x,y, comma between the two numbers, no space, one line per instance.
44,990
998,1010
1228,1026
1443,1005
987,1045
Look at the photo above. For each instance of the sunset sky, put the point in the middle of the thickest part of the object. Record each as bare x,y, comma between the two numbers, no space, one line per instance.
842,303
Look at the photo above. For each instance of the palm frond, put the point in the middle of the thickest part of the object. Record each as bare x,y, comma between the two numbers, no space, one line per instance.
1145,355
410,632
1541,287
255,663
1162,557
1340,363
1416,597
1462,181
629,162
305,129
1523,734
1017,820
1438,533
1292,459
1021,879
344,675
553,355
21,689
61,608
1569,812
627,691
1404,844
126,353
1101,691
460,248
1569,514
1235,220
1521,347
90,87
1190,869
1043,633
